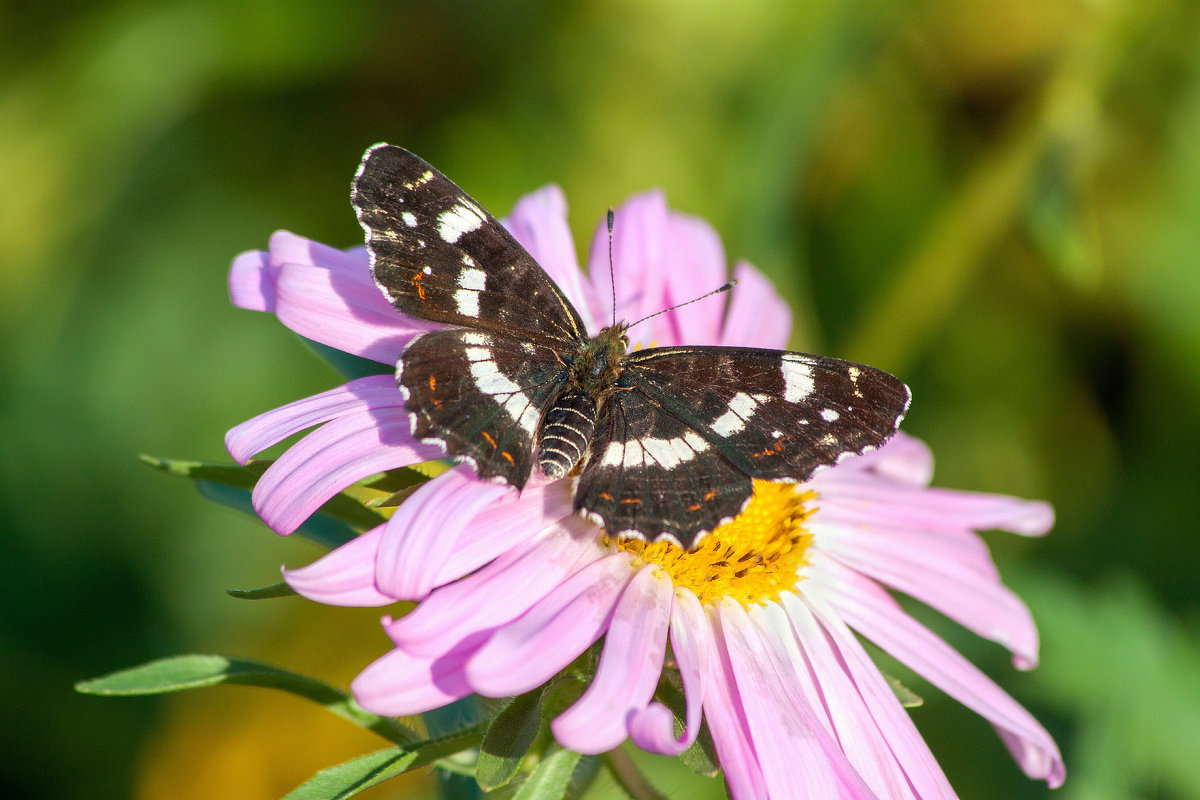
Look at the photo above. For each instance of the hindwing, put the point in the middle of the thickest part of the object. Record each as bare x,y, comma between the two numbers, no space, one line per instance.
677,450
482,395
774,414
651,474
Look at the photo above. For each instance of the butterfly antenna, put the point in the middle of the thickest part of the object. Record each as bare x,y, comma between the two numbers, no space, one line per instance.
719,290
612,279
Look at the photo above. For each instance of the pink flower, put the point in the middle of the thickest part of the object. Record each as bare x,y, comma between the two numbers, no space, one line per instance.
513,588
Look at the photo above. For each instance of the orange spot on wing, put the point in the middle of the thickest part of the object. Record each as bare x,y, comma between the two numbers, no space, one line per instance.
709,496
630,500
696,507
416,281
505,453
605,496
491,441
432,384
770,451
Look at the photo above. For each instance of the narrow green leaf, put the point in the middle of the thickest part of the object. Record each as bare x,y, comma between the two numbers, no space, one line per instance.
196,671
586,771
392,500
211,478
551,779
325,531
907,697
348,366
236,475
508,740
280,589
395,480
350,778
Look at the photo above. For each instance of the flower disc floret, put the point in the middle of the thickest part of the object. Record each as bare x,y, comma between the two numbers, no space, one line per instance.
753,558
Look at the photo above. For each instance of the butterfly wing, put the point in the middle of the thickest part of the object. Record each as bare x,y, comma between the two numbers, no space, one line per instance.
740,413
650,474
481,395
437,255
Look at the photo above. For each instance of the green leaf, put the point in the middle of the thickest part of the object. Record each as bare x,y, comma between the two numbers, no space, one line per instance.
235,475
508,740
348,366
230,485
280,589
324,530
395,480
196,671
551,779
351,777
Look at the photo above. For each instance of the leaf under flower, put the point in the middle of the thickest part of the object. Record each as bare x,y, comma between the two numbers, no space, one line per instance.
196,671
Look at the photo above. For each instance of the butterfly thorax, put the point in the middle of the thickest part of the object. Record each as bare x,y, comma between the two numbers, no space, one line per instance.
593,374
596,366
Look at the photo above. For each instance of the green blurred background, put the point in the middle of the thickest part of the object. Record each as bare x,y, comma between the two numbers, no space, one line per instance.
998,201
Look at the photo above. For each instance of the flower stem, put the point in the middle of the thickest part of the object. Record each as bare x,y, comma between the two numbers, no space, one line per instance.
628,776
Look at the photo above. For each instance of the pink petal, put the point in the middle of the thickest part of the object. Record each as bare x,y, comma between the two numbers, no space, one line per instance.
539,223
629,668
343,577
941,580
541,505
757,315
399,683
849,718
526,653
423,531
639,251
872,612
331,458
653,728
798,756
252,282
836,654
286,247
695,264
257,434
903,459
496,594
938,509
963,545
726,717
343,310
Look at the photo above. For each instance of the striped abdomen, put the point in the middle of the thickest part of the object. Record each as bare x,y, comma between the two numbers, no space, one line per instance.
566,431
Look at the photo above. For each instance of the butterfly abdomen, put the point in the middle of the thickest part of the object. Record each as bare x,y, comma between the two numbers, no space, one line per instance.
566,430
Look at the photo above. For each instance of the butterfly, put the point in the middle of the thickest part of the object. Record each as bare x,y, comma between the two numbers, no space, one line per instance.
664,441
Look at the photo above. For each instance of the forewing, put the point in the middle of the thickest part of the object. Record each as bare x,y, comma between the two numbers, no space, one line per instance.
437,255
481,395
649,474
773,414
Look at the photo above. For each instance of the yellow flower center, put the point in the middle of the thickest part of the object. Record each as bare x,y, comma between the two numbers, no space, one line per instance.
752,558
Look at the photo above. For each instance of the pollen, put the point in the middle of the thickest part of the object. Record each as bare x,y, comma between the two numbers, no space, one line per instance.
752,559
